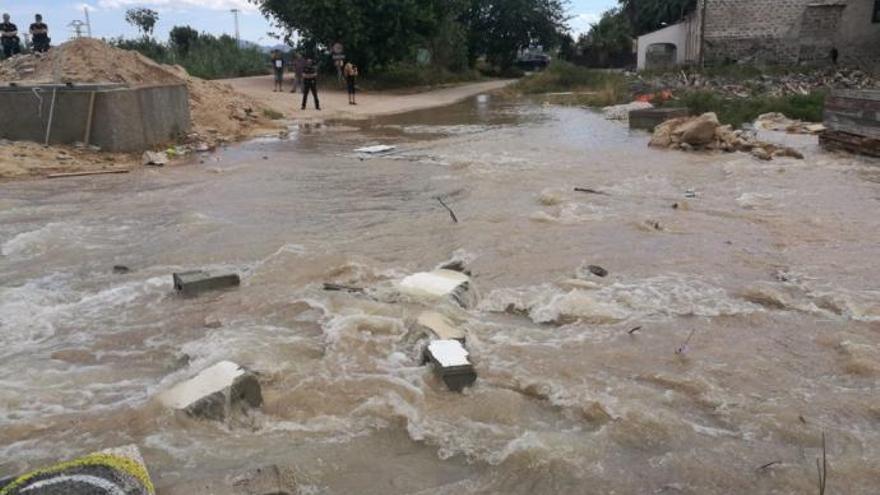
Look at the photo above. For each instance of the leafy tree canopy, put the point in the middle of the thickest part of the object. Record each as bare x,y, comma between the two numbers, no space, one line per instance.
143,19
646,16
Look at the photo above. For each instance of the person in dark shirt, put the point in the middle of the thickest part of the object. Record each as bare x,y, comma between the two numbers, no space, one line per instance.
310,83
40,34
9,37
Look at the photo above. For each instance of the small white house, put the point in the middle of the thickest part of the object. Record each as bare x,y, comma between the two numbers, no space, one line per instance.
673,45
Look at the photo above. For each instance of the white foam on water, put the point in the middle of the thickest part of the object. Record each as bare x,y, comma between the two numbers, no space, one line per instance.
38,241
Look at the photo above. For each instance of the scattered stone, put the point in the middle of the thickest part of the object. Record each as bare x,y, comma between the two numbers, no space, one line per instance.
451,363
213,322
597,271
121,269
438,284
215,393
456,266
198,281
706,133
438,327
154,158
595,414
778,122
113,471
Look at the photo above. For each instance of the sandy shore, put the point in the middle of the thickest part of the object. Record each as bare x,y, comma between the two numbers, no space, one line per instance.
22,160
334,103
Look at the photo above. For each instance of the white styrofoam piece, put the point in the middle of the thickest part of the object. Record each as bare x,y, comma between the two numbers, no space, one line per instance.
449,353
440,325
439,283
211,380
372,150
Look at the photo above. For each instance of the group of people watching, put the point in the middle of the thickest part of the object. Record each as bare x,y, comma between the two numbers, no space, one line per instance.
11,43
305,77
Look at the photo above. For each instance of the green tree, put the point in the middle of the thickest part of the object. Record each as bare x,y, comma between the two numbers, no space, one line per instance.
498,29
646,16
608,39
143,19
183,38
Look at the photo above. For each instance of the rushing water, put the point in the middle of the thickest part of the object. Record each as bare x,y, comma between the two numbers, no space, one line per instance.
772,269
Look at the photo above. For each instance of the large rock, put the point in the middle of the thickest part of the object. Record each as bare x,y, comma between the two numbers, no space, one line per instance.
118,471
215,393
438,284
438,327
699,131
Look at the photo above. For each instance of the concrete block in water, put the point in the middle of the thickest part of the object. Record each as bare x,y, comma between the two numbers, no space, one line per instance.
438,327
267,480
215,392
198,281
113,471
649,118
451,363
438,284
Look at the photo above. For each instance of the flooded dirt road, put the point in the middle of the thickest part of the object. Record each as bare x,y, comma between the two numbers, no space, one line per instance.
771,267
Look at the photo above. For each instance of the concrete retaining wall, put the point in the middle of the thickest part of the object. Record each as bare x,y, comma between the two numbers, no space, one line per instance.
124,119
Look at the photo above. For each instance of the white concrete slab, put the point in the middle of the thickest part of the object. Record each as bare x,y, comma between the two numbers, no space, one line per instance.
449,353
215,379
435,284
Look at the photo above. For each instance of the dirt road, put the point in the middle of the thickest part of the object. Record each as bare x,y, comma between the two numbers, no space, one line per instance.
335,105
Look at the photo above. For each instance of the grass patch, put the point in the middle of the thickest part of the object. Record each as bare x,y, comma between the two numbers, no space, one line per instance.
401,76
272,114
738,111
590,87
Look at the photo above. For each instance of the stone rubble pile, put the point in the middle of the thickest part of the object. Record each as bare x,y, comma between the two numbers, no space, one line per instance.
706,133
782,84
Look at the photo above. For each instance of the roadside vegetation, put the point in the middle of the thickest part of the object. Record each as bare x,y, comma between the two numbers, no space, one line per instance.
566,83
738,111
202,55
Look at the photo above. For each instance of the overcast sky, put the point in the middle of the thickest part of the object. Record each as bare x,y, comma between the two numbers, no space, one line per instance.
213,16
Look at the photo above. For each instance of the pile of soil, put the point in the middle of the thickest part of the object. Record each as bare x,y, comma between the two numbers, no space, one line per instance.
218,111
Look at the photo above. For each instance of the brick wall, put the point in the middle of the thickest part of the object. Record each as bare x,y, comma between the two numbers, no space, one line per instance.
790,31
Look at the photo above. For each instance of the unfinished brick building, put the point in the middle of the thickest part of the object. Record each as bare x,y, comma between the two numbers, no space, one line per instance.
770,31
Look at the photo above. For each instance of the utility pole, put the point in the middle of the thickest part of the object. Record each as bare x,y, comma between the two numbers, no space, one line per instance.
237,35
77,26
88,22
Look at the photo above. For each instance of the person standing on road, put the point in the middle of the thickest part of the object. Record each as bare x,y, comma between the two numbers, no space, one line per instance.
351,73
278,68
310,83
40,35
9,38
299,64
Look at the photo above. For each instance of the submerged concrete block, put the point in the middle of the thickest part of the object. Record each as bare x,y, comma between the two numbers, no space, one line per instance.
649,118
113,471
215,392
438,327
438,284
198,281
451,363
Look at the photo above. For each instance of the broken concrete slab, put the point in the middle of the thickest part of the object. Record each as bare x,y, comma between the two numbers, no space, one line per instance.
267,480
437,285
451,363
195,282
113,471
216,392
438,327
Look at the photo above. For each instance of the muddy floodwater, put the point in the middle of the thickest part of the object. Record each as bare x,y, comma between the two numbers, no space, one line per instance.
755,288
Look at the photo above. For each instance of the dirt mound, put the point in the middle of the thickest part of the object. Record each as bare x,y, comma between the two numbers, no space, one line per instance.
218,111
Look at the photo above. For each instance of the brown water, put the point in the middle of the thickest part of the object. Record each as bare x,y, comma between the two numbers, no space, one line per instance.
773,268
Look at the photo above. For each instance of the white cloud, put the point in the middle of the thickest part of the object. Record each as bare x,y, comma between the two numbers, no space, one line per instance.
243,5
580,23
82,6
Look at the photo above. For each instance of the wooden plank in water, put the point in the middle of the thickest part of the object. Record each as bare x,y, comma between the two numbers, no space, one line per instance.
842,141
92,172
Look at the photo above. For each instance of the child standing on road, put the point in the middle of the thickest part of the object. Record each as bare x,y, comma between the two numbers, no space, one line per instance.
278,67
351,73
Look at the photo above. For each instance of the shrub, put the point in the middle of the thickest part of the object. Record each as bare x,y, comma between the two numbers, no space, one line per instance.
738,111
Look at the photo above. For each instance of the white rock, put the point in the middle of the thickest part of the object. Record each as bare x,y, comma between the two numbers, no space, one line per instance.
212,392
440,326
437,285
158,158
